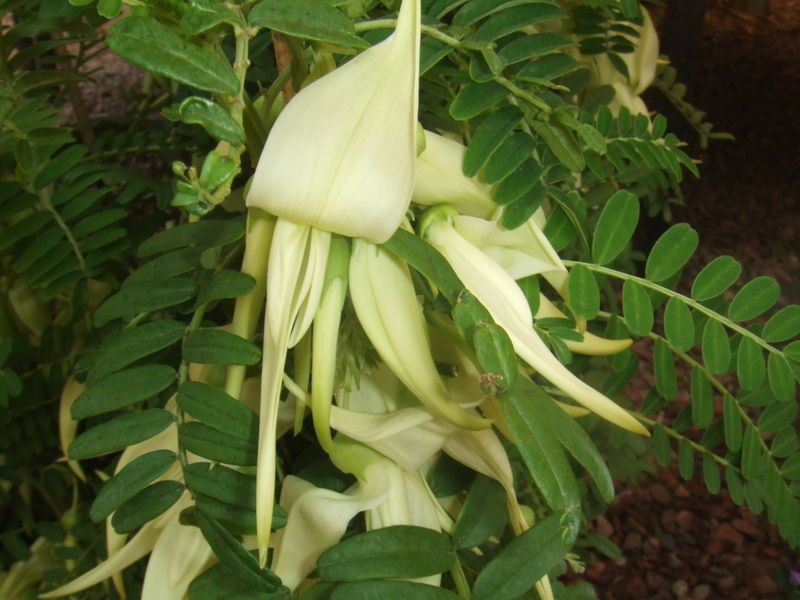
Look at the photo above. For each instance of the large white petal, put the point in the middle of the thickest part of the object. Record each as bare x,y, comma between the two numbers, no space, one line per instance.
341,155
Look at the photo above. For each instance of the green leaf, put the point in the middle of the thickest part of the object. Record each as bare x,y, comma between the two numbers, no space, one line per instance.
234,556
59,165
666,377
716,347
777,416
223,484
219,347
520,211
785,443
129,481
535,44
475,98
152,46
400,551
716,277
217,409
146,505
750,366
213,118
670,252
561,143
584,294
519,183
711,474
702,399
515,18
306,19
123,389
732,423
679,325
221,583
488,137
685,460
109,8
483,514
751,453
389,590
143,297
791,468
495,354
215,445
637,308
122,431
225,284
543,456
208,233
661,446
511,154
734,483
755,298
130,345
630,8
783,325
202,15
574,439
523,562
615,226
792,351
426,260
781,379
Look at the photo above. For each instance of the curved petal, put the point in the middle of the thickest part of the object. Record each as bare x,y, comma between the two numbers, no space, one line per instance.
348,168
317,520
440,179
387,308
169,572
501,296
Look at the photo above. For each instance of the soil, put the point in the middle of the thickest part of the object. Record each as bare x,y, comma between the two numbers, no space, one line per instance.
678,541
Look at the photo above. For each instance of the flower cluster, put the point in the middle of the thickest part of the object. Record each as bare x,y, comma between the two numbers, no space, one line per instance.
344,168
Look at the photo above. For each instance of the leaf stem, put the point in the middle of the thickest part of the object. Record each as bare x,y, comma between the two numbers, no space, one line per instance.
673,294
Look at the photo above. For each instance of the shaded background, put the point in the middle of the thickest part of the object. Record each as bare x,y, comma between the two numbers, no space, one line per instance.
741,62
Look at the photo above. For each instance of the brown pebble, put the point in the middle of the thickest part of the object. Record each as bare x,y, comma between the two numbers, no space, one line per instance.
660,493
633,541
727,583
682,492
747,528
680,588
729,535
685,520
765,586
701,592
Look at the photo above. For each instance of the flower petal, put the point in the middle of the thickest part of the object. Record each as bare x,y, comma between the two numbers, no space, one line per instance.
317,520
504,300
349,167
387,308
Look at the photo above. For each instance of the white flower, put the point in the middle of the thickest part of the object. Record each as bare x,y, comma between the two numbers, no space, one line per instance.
440,179
504,300
341,155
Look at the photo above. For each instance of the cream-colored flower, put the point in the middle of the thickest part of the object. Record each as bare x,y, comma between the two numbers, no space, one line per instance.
504,300
440,179
341,155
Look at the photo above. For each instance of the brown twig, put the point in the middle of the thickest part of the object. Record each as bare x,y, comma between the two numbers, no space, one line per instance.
283,58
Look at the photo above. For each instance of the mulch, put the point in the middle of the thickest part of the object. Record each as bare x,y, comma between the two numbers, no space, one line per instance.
678,541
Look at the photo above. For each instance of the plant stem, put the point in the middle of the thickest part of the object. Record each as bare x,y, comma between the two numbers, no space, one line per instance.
673,294
460,579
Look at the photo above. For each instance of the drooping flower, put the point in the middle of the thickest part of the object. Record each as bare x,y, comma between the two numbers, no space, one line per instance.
339,160
341,155
504,300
